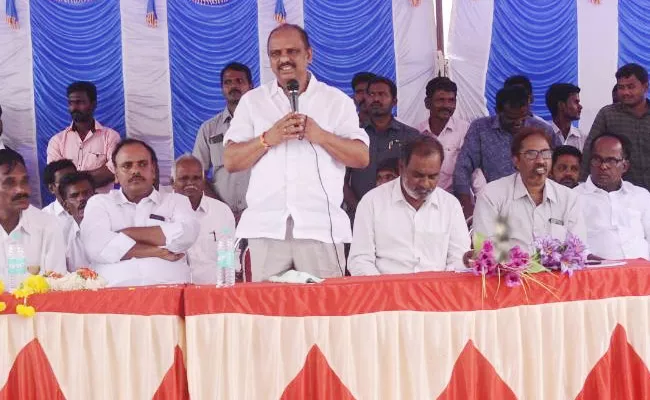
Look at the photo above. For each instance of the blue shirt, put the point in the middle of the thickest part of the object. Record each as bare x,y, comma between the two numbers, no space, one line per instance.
487,147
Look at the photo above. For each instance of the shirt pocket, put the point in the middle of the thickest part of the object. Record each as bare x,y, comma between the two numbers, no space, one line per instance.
93,158
451,155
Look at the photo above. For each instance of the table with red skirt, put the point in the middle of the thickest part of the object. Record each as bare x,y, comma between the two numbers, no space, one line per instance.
421,336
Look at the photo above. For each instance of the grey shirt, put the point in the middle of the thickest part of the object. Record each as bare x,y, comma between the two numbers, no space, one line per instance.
383,146
209,149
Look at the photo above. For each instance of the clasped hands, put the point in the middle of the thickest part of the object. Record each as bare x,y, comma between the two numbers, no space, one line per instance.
294,126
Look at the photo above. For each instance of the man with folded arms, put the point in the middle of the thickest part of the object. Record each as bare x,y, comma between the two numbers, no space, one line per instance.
37,232
136,235
408,225
533,205
215,218
617,213
75,190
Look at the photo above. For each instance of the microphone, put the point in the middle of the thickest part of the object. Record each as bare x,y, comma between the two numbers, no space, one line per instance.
293,87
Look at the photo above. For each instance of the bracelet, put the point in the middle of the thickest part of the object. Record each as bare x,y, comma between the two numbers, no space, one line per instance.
264,142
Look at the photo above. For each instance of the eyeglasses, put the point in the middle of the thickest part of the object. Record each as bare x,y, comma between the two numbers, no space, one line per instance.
611,162
546,154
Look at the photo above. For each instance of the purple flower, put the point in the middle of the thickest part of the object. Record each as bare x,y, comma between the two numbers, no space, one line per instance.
550,251
513,279
485,263
518,259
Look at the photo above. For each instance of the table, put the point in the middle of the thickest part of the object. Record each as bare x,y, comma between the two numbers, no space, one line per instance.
423,336
109,344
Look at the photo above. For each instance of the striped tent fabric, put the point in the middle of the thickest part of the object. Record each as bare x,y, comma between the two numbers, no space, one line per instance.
157,63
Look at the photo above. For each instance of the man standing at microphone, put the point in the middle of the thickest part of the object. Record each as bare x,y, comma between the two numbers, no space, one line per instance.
297,160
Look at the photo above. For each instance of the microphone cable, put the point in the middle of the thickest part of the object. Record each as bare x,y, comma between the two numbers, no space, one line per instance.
329,214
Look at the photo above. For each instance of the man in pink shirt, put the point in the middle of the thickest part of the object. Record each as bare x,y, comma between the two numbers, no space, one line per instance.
450,131
86,142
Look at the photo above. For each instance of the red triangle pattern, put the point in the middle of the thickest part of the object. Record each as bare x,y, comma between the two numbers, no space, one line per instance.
174,384
619,374
316,381
474,378
31,377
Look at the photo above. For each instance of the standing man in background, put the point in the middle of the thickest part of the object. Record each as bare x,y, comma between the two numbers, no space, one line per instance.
563,101
359,89
229,187
298,160
86,142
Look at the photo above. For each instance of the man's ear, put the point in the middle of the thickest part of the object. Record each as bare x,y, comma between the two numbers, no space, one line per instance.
52,188
427,103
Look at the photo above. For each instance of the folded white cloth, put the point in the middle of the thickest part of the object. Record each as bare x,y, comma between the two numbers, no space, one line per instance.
293,276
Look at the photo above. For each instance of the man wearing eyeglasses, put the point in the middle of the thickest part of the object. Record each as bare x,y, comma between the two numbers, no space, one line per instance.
533,205
616,212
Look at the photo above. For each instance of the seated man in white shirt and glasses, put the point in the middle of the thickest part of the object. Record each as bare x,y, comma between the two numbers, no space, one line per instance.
533,205
75,190
297,159
616,212
409,225
215,218
37,232
136,235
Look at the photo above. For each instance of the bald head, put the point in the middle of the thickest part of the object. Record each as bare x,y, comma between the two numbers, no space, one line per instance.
188,178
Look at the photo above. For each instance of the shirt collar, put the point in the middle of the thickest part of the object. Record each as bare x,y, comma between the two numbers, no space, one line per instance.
96,128
58,208
154,196
394,125
556,129
521,191
622,107
591,187
397,195
424,126
227,116
496,124
276,89
204,206
26,222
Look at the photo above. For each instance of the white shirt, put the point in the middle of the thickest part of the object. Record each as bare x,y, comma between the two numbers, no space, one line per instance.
452,137
75,253
392,237
41,238
106,214
285,181
558,214
216,219
63,217
618,223
575,138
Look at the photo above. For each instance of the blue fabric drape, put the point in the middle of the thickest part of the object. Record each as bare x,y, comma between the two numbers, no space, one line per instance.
73,42
350,36
536,38
634,32
202,40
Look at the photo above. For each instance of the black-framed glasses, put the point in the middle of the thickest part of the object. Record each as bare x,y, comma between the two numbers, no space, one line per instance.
546,154
611,162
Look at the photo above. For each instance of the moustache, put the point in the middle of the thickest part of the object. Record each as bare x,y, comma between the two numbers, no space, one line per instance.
136,178
191,187
232,92
292,65
21,196
447,110
375,104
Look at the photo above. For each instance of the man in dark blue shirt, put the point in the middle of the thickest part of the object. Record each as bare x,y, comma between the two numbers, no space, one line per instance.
488,141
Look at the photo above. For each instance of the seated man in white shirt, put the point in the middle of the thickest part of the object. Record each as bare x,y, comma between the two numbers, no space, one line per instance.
216,218
37,232
616,212
136,235
533,205
52,175
408,225
75,190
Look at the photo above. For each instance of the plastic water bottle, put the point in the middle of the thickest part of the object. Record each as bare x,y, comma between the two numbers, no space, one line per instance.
16,263
225,261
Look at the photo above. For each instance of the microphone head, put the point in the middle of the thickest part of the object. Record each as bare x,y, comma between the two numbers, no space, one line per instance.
293,86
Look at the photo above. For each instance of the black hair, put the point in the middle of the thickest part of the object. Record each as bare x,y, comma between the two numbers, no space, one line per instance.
384,80
566,150
559,92
11,158
300,29
73,179
422,146
440,83
389,164
633,69
523,134
514,96
235,66
626,144
87,87
127,142
55,166
362,77
519,80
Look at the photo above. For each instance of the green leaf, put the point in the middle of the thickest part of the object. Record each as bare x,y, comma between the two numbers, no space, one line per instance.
478,241
535,267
